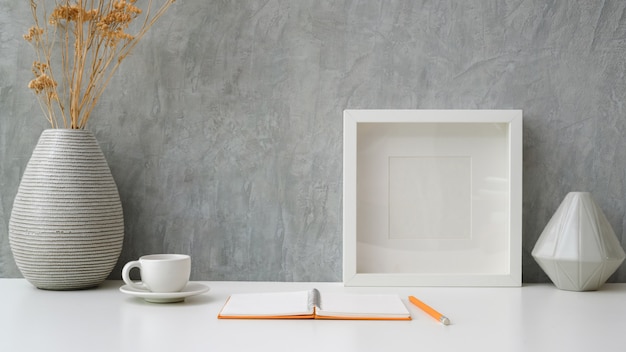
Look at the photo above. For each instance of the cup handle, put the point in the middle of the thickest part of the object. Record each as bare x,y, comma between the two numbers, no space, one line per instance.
126,275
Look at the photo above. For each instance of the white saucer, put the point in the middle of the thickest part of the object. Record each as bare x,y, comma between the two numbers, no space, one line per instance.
192,289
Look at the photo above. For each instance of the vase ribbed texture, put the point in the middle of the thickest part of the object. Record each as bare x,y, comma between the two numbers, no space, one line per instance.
578,248
67,226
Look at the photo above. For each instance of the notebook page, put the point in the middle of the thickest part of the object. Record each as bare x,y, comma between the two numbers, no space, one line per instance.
268,304
362,305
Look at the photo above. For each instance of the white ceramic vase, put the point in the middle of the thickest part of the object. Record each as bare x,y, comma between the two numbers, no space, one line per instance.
66,227
578,249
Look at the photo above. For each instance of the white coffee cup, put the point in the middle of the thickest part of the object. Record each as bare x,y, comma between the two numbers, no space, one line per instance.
160,272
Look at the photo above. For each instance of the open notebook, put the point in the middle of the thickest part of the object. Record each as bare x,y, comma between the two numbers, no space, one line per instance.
313,305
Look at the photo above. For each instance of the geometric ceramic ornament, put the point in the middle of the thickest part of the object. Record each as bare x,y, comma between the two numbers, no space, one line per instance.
578,248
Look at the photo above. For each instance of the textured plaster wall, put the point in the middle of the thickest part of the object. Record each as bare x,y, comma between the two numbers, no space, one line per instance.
224,129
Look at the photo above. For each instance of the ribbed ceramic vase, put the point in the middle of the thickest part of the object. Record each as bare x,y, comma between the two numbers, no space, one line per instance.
67,227
578,248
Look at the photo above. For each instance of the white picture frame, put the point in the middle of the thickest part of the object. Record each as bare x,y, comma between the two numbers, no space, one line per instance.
432,197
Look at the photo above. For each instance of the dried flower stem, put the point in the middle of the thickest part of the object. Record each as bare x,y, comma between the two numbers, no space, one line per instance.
93,42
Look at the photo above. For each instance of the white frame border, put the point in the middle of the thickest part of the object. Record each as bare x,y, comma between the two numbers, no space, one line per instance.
352,118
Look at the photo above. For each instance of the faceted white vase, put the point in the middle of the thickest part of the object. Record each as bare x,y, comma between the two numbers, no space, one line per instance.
66,228
578,248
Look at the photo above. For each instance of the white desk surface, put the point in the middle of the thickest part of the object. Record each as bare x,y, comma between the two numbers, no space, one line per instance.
531,318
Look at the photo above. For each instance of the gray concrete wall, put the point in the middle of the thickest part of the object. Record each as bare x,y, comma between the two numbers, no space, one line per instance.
224,129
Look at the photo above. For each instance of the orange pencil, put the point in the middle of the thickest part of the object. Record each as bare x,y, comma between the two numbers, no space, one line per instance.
433,313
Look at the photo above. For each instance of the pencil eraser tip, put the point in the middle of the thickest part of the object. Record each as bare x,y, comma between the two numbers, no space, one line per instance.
445,321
